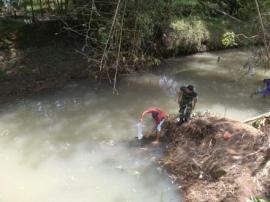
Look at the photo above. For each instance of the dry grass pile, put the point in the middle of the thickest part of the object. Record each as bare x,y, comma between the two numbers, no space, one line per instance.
217,159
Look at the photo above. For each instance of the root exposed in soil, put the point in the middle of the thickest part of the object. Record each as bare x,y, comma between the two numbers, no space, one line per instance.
217,159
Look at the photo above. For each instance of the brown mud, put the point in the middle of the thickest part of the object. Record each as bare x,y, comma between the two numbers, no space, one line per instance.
218,159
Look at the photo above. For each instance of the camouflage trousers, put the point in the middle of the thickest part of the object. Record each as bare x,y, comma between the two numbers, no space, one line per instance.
185,112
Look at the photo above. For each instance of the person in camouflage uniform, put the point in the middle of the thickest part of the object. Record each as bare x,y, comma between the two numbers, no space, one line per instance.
187,99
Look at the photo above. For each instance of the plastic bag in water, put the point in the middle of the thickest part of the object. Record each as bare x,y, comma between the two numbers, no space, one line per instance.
139,131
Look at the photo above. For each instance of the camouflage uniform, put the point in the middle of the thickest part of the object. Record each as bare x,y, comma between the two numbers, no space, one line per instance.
185,104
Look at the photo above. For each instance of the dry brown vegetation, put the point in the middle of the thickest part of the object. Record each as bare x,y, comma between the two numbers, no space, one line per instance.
210,167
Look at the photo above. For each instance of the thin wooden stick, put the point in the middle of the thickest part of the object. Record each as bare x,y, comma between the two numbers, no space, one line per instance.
250,120
228,15
89,24
246,37
110,34
118,54
263,30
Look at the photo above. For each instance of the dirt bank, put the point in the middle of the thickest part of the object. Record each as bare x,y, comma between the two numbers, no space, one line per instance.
217,159
44,55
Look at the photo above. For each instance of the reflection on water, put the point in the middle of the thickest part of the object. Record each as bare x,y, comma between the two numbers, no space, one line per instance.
74,144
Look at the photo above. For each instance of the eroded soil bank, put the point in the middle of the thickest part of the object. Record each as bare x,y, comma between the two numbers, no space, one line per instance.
218,159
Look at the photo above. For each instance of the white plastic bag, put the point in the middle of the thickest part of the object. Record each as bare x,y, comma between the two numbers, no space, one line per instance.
139,130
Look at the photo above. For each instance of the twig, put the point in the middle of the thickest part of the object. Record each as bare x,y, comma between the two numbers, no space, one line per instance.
247,37
228,15
109,37
118,54
263,30
89,24
68,28
222,12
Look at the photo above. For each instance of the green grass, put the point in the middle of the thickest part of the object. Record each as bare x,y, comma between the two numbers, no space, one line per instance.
257,199
195,34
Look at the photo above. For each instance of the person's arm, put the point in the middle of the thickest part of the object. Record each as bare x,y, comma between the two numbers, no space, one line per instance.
150,132
194,103
143,114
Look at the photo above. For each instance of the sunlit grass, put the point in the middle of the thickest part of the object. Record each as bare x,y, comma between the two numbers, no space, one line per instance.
199,33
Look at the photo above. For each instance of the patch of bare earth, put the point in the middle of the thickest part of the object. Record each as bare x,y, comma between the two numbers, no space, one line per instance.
217,159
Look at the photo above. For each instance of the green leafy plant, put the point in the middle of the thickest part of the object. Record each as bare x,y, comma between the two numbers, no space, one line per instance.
256,199
228,39
259,123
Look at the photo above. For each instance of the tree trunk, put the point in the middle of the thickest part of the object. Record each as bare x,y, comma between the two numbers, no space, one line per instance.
61,6
66,6
32,11
48,5
40,7
58,6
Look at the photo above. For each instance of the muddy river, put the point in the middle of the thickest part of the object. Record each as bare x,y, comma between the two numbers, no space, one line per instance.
78,143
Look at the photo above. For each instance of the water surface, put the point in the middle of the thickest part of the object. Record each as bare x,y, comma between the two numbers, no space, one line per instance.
77,143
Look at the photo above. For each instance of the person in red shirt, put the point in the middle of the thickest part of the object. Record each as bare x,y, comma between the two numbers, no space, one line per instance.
159,117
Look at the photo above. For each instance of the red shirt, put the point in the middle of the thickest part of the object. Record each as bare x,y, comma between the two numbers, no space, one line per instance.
161,115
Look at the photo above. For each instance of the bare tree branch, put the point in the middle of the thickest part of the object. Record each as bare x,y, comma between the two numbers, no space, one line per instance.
228,15
247,37
89,24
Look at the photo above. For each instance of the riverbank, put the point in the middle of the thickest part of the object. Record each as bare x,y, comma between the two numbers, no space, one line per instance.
42,56
218,159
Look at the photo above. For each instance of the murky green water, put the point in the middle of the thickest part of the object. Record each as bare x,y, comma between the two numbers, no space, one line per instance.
223,87
77,143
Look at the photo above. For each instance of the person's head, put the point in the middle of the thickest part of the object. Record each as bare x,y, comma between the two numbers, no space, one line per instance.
154,115
190,88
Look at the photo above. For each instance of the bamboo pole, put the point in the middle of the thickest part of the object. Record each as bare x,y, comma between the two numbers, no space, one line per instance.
110,34
118,54
255,118
263,30
32,11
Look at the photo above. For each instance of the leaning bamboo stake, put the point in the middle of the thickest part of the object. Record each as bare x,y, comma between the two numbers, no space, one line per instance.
263,30
253,119
110,34
118,54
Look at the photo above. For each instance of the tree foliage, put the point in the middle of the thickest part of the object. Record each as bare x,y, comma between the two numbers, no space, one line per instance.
135,31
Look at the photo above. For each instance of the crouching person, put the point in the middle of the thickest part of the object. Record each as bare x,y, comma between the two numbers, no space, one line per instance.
159,117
